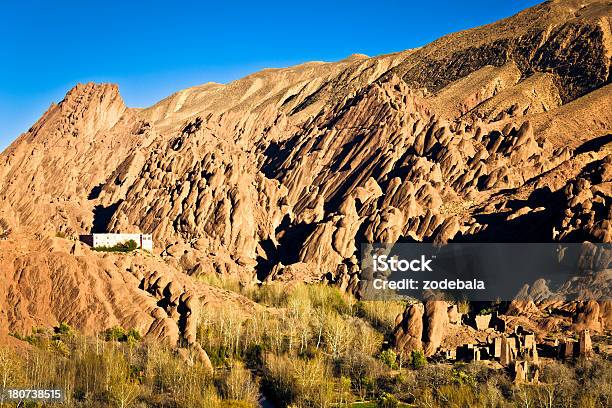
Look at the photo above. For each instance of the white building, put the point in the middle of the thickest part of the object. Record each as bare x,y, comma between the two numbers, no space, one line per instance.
144,241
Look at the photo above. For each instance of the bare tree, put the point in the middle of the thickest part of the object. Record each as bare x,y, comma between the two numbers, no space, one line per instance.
337,334
11,372
239,384
524,395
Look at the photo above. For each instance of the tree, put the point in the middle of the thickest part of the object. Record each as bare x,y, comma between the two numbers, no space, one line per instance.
524,396
124,392
239,385
559,385
123,389
337,334
344,389
11,370
129,245
417,359
387,400
64,329
389,357
299,311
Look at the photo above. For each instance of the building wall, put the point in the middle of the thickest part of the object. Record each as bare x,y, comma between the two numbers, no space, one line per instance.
147,242
144,241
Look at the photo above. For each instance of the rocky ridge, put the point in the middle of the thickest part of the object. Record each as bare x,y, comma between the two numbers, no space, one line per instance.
496,133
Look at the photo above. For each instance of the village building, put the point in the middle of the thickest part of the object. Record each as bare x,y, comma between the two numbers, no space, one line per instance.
144,241
520,345
570,348
585,345
487,321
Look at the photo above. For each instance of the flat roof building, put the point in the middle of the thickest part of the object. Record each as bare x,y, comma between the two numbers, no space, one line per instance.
144,241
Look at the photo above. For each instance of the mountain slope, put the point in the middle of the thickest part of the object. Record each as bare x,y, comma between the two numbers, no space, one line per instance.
280,175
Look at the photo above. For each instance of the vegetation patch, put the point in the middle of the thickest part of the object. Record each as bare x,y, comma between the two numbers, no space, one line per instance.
315,347
127,246
121,335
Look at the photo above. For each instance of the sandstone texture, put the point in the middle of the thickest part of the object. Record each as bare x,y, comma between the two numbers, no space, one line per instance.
500,133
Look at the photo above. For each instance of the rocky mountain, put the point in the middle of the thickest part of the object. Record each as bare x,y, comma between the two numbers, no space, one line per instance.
499,133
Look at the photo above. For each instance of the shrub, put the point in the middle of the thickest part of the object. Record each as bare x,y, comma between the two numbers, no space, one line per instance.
434,376
37,337
458,396
362,369
417,359
114,334
189,385
299,381
387,400
329,298
478,370
389,357
133,336
120,334
463,306
237,404
238,385
63,329
231,283
486,311
127,246
461,377
271,294
381,313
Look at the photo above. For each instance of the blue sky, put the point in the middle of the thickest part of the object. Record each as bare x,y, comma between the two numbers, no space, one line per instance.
154,48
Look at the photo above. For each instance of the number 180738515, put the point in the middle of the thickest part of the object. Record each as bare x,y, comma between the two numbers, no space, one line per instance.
32,394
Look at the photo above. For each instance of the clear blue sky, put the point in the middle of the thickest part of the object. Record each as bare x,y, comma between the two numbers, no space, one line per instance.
154,48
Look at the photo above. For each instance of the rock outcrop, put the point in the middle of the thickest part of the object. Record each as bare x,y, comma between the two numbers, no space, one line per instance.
500,133
409,331
421,327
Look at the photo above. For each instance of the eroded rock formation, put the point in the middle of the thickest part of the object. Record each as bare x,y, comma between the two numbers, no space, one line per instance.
498,133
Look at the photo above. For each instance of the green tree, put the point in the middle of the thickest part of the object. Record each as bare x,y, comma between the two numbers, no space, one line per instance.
417,359
389,357
130,245
64,329
387,400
